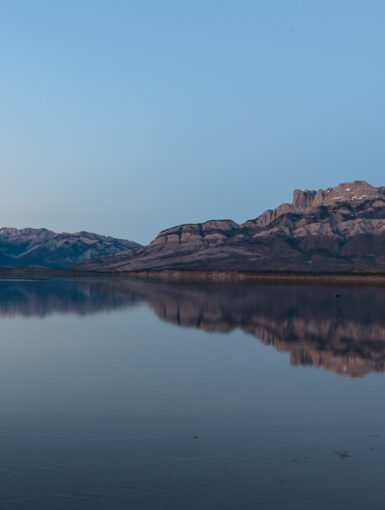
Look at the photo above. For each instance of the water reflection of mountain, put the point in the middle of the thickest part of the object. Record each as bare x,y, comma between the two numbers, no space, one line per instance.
345,334
341,329
39,298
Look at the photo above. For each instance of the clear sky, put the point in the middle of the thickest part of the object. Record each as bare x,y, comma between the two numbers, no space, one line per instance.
127,117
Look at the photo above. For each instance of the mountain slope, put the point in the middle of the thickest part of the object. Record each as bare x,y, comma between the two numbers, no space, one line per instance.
42,248
332,229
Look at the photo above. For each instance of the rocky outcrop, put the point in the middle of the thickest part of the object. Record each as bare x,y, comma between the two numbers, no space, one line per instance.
42,248
340,229
345,192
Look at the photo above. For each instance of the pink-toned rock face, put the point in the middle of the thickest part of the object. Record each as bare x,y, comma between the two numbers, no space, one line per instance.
209,232
303,199
345,192
332,229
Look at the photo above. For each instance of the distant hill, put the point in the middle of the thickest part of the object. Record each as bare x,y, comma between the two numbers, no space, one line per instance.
333,229
42,248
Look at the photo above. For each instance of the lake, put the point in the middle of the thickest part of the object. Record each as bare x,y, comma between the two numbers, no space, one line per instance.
129,394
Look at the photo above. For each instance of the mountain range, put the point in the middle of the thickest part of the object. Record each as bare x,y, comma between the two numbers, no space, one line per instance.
339,229
44,249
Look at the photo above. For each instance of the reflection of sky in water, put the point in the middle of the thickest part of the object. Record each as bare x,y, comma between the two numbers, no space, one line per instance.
100,410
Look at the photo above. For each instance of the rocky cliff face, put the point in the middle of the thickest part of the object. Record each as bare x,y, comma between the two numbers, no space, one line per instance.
42,248
332,229
345,192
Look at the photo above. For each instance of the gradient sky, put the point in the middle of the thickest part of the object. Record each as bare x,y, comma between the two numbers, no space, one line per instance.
128,117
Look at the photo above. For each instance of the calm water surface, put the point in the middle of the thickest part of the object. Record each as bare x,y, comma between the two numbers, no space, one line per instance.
118,394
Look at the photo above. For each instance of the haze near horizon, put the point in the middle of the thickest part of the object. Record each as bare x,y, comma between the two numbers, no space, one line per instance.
128,118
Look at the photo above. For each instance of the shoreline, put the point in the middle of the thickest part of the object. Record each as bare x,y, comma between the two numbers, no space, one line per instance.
200,275
254,276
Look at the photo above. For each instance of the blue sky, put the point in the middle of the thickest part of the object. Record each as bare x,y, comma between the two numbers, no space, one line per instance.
127,117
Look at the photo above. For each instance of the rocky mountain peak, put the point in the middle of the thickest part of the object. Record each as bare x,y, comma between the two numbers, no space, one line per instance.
347,191
337,229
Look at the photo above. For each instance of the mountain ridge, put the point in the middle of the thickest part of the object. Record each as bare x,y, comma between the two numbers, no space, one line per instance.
337,229
42,248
